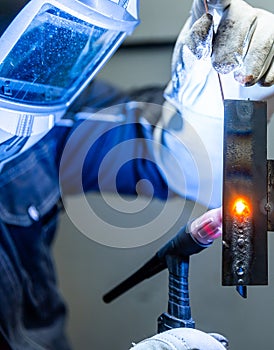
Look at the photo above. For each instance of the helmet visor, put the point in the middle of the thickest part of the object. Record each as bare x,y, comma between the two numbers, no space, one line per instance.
58,52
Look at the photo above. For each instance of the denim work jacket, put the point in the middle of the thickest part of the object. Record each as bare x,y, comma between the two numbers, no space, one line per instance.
32,312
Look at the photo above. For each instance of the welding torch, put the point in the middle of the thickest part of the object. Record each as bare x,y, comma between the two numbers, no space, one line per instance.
175,256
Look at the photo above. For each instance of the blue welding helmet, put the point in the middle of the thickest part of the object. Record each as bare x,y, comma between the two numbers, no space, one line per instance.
54,48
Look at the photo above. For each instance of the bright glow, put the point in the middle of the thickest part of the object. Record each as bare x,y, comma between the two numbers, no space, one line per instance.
241,207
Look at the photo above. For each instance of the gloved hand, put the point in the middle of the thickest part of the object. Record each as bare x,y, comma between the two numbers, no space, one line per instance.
233,37
194,136
243,42
183,339
207,227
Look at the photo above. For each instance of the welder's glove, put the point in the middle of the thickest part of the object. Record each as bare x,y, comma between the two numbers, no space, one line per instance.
233,37
191,126
243,42
207,227
183,339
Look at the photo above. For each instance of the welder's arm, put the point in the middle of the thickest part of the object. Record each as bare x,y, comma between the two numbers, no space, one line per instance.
110,145
183,339
191,126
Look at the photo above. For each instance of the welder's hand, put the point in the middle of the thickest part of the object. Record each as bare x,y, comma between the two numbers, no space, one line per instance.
191,125
243,42
183,339
207,227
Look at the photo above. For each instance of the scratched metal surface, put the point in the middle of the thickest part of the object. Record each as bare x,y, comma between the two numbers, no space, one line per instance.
245,176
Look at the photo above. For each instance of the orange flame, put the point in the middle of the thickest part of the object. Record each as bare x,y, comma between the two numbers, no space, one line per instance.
241,207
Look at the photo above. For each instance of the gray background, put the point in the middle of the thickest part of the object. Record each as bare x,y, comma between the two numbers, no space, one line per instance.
88,269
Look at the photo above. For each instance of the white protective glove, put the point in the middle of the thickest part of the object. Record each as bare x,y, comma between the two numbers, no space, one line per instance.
243,42
191,126
183,339
233,37
208,227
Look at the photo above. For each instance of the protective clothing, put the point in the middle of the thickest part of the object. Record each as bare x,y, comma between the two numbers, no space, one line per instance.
192,122
32,312
49,54
207,227
242,44
183,339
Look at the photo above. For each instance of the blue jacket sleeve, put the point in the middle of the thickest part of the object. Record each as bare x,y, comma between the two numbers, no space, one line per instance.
110,147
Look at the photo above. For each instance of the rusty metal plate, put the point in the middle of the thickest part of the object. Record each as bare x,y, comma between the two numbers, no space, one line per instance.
245,259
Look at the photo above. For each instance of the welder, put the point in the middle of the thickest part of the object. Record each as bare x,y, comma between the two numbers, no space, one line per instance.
58,127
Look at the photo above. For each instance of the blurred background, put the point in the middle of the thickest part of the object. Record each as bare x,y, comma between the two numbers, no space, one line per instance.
87,269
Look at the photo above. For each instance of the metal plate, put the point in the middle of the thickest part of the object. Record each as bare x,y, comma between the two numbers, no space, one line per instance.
245,178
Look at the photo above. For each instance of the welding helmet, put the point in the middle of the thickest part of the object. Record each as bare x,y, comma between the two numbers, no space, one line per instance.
51,51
